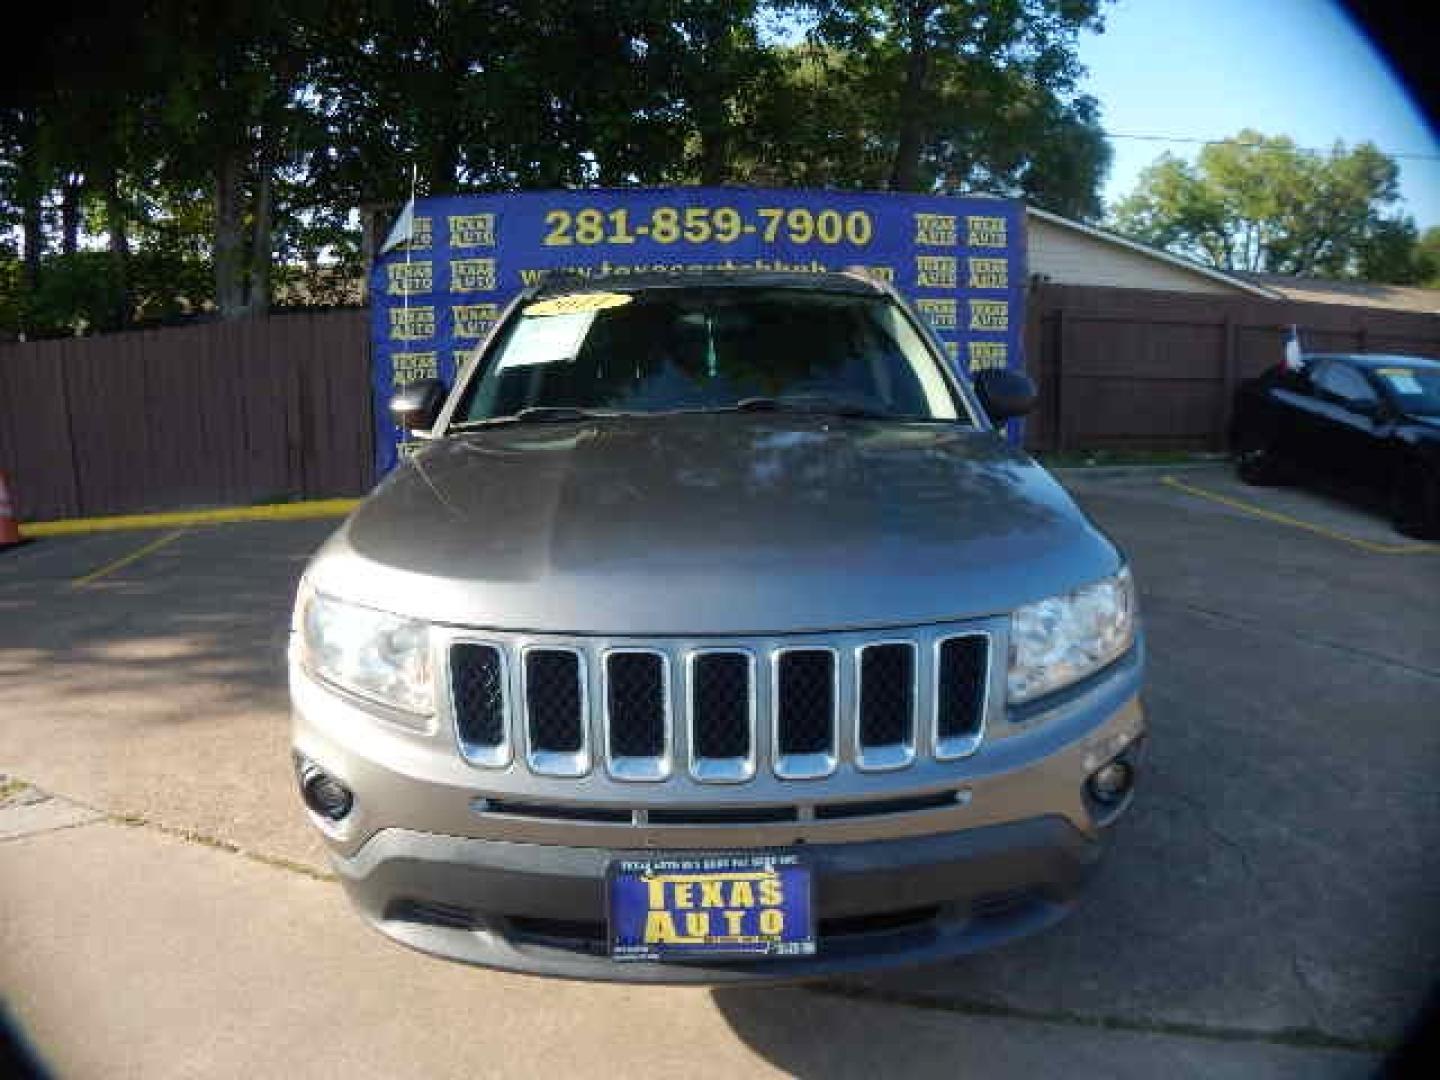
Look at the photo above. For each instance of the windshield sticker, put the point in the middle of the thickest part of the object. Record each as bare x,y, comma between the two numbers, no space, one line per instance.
1401,379
576,303
553,340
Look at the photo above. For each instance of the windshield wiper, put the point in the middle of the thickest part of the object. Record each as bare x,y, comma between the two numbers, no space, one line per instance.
537,414
817,405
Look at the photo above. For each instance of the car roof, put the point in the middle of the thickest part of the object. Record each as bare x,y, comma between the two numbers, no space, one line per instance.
1370,361
846,281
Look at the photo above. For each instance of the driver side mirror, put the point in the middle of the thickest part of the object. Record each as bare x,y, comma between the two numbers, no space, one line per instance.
415,406
1005,394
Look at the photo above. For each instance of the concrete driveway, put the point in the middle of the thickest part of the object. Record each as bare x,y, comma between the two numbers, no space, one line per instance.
1272,906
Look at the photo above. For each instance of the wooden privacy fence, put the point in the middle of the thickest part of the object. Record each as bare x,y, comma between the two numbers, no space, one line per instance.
279,407
1126,368
219,413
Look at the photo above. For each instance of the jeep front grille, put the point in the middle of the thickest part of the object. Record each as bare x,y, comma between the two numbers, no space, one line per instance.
720,713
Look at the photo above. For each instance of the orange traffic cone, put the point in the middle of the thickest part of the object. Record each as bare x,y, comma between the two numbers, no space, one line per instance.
9,527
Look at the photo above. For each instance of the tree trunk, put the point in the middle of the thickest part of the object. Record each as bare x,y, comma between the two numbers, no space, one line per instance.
33,237
910,130
229,237
115,224
445,163
258,302
31,191
70,216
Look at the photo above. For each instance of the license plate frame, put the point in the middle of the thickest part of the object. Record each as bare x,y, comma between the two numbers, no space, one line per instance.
644,925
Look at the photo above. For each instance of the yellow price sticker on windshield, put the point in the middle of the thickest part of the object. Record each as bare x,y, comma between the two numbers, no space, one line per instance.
578,303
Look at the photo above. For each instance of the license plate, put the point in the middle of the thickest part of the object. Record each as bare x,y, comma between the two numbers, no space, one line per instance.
710,907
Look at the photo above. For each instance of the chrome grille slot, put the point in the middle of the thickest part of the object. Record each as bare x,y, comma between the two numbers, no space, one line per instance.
556,708
477,689
637,714
962,680
806,705
722,715
887,695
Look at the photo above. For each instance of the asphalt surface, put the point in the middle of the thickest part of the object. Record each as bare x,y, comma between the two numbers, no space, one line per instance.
1271,906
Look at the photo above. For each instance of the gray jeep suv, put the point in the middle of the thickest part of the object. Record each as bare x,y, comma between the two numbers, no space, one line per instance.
714,634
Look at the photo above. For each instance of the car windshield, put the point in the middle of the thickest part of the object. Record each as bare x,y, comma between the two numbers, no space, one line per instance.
717,348
1415,390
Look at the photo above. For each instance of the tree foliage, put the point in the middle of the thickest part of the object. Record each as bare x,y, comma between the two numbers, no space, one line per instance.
1257,203
166,157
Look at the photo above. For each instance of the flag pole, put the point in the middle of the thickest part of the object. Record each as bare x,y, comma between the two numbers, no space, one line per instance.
405,301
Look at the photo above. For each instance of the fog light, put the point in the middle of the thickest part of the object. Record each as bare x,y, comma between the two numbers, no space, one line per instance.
325,795
1111,783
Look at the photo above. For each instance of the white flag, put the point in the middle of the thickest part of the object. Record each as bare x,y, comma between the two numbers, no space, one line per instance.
404,229
1294,358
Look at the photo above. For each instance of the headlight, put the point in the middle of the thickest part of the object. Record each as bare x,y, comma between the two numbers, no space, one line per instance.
1058,641
373,654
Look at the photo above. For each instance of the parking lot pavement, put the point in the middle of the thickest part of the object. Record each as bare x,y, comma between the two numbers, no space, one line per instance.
1272,905
128,952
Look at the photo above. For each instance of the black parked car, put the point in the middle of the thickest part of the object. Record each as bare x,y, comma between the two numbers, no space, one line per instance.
1372,421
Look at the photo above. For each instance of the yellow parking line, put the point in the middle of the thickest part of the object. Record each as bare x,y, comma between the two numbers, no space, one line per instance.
1296,523
126,560
298,511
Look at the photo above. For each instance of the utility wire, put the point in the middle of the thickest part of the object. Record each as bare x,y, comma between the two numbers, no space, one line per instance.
1134,137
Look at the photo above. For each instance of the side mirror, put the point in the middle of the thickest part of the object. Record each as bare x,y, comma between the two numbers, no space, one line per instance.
1005,393
416,405
1369,407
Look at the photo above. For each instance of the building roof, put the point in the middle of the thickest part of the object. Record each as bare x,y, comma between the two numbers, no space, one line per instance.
1355,293
1235,282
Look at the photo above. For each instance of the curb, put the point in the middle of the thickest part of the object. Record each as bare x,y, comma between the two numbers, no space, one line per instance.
1160,470
298,511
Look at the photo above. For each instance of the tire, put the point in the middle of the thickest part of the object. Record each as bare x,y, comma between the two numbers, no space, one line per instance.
1257,463
1415,501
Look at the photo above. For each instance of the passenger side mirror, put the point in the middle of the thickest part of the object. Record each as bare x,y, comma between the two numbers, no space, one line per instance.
1365,407
1004,393
416,405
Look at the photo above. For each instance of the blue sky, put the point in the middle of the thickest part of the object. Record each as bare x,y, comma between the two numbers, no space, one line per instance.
1207,68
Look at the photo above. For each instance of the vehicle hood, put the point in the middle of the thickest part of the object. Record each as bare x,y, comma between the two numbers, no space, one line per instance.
712,524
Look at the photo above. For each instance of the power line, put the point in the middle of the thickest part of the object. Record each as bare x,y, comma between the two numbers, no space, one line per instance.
1408,155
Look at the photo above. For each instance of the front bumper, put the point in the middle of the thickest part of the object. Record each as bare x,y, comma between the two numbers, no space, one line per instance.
540,908
433,858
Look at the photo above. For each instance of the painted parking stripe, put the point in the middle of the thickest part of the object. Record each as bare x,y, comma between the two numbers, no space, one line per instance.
1297,523
126,560
299,511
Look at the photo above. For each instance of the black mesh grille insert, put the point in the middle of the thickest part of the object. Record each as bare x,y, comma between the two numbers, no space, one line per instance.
806,697
553,700
963,663
721,701
887,694
635,697
477,684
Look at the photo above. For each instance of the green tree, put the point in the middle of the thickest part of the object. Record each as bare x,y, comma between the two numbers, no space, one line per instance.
971,94
1258,203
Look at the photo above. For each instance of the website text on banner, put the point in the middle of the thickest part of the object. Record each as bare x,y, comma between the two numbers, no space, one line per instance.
962,261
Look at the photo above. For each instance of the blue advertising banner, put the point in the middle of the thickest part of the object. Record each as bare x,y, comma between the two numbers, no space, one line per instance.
433,300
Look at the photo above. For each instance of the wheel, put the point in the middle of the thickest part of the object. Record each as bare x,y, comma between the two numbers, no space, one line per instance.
1415,501
1256,461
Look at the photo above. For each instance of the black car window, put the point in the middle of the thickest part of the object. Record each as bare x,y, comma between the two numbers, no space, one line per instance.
1344,384
1416,390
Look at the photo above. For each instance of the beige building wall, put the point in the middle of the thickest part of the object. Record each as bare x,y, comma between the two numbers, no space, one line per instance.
1068,256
